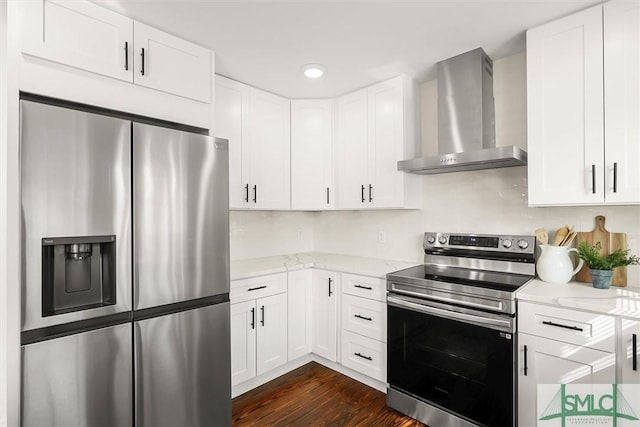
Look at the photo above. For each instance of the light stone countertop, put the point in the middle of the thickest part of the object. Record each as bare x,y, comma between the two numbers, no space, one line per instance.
617,301
373,267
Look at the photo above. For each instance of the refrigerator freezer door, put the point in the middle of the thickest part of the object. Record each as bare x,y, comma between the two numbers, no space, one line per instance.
75,170
183,369
181,216
79,380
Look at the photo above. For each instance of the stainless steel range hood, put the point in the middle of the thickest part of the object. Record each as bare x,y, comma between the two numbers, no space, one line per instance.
466,120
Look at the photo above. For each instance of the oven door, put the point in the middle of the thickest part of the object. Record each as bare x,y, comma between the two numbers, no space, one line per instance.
458,360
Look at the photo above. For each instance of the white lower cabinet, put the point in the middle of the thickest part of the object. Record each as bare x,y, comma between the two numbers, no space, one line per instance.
258,336
324,313
365,355
546,361
628,361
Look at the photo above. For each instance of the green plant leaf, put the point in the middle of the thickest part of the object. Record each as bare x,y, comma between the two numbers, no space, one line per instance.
592,257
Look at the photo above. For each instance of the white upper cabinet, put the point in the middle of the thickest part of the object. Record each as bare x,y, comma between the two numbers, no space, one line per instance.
79,34
232,123
311,154
167,63
377,127
89,37
622,101
268,155
582,78
352,151
257,125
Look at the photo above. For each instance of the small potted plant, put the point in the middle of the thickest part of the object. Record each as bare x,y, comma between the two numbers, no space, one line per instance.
601,266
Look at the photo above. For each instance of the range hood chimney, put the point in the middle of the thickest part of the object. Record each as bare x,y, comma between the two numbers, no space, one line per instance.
466,120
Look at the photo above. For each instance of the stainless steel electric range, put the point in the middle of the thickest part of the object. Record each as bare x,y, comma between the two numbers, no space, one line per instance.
451,352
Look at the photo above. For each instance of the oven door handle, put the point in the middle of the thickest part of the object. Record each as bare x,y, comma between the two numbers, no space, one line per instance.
448,314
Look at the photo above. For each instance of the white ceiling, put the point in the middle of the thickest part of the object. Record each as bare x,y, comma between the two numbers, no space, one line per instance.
265,43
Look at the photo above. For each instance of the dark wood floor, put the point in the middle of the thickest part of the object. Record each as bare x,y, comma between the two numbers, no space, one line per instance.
314,395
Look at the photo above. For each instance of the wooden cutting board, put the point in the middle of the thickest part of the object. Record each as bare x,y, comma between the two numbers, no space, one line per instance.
610,242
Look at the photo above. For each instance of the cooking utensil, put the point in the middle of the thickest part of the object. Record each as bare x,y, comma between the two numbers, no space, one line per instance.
560,235
542,236
610,242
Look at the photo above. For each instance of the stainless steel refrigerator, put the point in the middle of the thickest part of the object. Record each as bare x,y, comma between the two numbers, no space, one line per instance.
125,270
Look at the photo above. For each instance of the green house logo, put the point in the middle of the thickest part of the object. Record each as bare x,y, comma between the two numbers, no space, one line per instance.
585,406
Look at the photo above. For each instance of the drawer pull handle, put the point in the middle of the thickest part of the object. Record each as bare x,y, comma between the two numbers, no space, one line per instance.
363,287
635,352
364,357
362,317
573,328
526,368
258,287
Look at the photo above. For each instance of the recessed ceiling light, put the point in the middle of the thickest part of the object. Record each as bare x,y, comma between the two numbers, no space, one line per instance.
313,71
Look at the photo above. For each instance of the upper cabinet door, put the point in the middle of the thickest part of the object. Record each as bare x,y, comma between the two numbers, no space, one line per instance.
79,34
565,104
269,151
232,123
167,63
352,151
386,144
622,101
311,154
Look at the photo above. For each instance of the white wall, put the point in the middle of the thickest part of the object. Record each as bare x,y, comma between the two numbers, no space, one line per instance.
488,201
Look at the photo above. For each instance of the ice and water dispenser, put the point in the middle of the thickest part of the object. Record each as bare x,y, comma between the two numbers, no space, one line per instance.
78,273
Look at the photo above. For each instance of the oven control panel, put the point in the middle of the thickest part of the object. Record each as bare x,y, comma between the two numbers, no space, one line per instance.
484,242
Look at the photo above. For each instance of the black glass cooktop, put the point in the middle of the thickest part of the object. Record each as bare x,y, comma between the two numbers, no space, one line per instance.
508,282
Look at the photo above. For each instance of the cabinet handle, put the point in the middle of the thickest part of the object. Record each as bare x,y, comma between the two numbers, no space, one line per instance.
327,195
362,193
615,177
262,320
253,318
257,287
558,325
370,193
246,193
593,179
364,357
362,317
126,56
369,288
255,193
330,287
635,352
526,368
142,56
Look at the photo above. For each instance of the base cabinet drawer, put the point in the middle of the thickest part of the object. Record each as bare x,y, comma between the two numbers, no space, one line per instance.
365,317
257,287
363,286
365,355
577,327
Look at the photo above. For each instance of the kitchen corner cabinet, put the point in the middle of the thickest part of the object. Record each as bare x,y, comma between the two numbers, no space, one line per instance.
376,128
583,77
257,125
324,313
84,35
312,154
258,326
299,316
